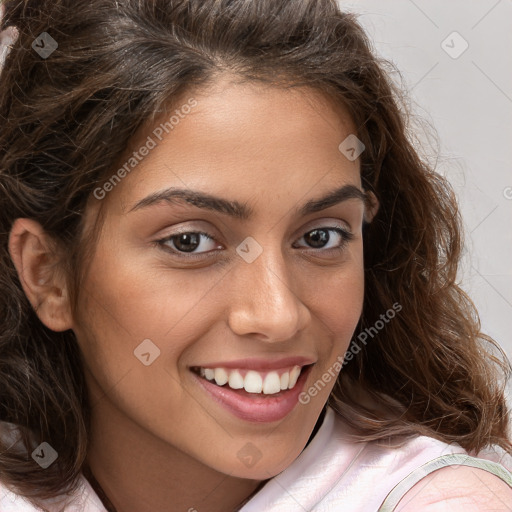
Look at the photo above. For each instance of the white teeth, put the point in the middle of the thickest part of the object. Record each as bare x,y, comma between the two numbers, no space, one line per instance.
285,378
253,382
272,383
294,375
236,381
221,376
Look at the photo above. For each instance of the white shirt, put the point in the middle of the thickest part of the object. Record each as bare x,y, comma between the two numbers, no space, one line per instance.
331,474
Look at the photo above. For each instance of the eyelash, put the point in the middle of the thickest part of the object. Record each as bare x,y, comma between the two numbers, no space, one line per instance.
345,235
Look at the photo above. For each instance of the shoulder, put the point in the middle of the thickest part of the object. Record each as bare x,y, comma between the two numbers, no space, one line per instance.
454,487
424,474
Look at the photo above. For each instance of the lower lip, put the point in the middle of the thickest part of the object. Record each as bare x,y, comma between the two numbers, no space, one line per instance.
258,407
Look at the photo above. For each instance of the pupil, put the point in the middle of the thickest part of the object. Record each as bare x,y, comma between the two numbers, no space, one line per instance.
184,241
318,237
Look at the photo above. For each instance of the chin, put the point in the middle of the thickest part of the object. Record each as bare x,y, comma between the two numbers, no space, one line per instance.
252,463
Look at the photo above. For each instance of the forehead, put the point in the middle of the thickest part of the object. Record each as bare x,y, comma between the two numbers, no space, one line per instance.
248,139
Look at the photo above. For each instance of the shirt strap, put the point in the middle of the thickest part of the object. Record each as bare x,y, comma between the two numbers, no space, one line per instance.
400,489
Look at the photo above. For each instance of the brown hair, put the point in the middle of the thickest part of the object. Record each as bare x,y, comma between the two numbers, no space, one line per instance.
66,120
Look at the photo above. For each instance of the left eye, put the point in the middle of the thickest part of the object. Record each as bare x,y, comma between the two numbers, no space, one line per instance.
319,238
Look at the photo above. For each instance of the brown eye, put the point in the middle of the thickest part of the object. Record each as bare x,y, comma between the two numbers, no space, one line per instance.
319,238
188,242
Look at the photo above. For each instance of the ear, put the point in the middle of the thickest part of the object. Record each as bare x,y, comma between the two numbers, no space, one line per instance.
36,259
371,207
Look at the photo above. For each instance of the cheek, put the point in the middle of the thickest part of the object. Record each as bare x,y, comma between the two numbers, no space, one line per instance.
336,296
341,313
133,313
336,305
341,300
133,331
126,301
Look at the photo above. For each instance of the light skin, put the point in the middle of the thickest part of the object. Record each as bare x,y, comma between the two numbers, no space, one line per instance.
159,442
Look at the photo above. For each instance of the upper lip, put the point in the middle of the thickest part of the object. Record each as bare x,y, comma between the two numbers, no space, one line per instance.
260,363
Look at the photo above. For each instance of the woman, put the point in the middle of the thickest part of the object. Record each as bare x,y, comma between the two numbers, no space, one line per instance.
228,279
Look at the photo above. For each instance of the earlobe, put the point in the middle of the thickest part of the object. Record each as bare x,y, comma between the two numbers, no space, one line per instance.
37,263
372,207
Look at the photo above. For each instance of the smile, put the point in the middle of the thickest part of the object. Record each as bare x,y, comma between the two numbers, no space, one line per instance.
252,381
255,395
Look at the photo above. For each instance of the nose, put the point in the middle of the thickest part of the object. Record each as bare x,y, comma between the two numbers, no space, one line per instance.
267,305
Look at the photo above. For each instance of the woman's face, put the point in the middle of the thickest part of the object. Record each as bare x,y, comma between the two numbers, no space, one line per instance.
261,293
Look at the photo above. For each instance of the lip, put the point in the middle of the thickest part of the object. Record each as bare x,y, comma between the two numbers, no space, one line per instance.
260,364
258,408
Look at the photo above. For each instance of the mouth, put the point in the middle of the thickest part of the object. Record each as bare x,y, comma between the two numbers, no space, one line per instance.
259,396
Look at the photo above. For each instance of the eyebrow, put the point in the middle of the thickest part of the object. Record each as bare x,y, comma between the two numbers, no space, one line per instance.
242,211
